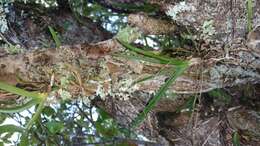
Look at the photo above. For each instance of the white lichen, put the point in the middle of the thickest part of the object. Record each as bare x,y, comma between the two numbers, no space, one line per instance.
208,29
101,92
179,8
3,21
64,94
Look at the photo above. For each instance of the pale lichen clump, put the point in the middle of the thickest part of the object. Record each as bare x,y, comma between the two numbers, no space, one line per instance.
121,88
3,21
179,8
128,34
208,29
64,94
124,89
13,49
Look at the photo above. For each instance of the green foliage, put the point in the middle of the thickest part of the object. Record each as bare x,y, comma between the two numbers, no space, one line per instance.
249,15
18,91
35,98
6,131
128,34
48,111
179,67
24,140
189,104
55,127
160,58
10,129
19,108
37,114
105,125
73,119
2,117
176,73
236,139
67,121
13,49
220,95
55,37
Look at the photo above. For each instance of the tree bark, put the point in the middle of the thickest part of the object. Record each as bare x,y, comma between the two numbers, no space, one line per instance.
94,69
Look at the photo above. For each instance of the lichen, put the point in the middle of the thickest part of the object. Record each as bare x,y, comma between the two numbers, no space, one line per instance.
128,34
13,49
178,8
3,21
208,29
64,94
101,92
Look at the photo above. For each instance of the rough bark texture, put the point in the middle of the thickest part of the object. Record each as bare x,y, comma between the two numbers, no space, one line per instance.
225,59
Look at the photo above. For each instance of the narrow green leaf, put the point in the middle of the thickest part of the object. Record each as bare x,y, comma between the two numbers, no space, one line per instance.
143,79
10,129
249,15
55,127
236,139
103,115
140,118
48,111
55,36
24,140
20,108
37,113
18,91
2,117
162,59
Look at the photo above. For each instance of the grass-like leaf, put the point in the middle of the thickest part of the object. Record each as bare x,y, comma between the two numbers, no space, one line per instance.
20,108
10,129
249,15
160,58
236,139
55,36
36,98
37,113
18,91
140,118
180,67
24,140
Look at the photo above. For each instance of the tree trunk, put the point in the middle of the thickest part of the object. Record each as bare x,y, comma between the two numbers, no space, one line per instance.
91,69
